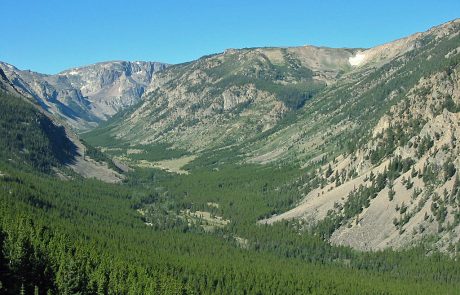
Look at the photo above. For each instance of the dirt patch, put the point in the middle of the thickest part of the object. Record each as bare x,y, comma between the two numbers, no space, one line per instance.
134,151
319,201
89,168
242,242
208,221
268,157
212,205
175,165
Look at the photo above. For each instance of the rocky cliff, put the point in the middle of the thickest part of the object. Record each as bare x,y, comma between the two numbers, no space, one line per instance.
85,96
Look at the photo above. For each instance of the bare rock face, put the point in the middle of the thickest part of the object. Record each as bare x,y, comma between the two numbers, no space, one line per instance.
5,84
399,183
384,53
72,152
85,96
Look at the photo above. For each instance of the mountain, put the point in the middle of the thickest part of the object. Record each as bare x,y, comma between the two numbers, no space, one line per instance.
87,95
376,127
230,97
35,140
385,144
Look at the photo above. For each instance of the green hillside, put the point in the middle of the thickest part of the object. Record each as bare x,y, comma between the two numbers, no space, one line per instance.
30,138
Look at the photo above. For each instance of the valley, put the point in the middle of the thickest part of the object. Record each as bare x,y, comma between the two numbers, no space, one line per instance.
271,170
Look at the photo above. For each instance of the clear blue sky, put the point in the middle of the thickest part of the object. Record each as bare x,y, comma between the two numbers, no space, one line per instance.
52,35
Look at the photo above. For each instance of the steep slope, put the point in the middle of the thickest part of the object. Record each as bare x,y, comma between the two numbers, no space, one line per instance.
5,84
385,148
32,138
347,110
360,123
240,96
86,95
228,98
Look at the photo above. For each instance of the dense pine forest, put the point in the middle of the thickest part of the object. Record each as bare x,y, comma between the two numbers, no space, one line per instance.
85,237
88,237
30,138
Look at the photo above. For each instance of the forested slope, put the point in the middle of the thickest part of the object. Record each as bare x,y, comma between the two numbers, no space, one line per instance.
84,237
30,138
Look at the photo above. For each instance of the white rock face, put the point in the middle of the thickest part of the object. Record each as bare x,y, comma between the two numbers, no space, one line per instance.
379,55
358,59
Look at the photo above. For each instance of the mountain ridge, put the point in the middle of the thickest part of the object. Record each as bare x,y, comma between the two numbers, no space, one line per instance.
87,95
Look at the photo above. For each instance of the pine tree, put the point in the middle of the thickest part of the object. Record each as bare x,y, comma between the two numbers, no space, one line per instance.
329,171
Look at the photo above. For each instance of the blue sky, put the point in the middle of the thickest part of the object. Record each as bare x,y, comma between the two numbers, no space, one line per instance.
52,35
